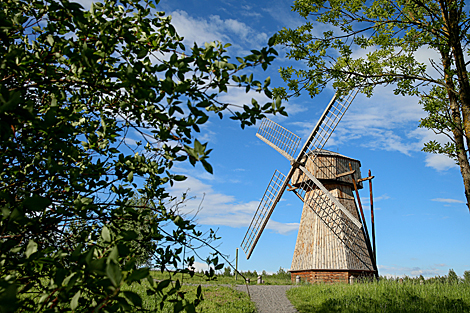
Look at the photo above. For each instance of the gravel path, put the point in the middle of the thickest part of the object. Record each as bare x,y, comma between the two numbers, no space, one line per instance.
269,298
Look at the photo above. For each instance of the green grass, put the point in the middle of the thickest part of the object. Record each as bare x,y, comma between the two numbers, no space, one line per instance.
217,299
384,296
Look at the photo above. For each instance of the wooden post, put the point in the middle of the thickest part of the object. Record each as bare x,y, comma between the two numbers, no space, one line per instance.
365,231
372,217
351,280
236,264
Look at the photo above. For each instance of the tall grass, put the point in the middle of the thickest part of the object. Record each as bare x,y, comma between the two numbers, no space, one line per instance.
383,296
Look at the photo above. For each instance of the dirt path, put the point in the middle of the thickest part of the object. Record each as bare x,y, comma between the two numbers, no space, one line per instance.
269,298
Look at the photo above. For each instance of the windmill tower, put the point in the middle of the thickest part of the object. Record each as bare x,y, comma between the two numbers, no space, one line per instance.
332,244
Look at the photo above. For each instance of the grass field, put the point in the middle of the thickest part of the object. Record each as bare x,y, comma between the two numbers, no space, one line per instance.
384,296
217,299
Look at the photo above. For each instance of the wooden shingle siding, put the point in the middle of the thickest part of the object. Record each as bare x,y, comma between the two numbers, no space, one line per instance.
327,165
317,247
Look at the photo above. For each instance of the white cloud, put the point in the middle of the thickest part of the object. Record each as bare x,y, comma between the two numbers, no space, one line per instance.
382,197
239,96
281,12
220,209
385,122
375,121
199,266
440,162
448,200
200,30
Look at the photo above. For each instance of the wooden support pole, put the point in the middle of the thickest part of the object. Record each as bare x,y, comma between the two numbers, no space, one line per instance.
372,217
236,264
365,231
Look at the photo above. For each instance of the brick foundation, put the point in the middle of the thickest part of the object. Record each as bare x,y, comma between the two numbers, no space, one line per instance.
328,276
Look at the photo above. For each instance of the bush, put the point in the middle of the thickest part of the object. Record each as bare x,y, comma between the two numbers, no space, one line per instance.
74,86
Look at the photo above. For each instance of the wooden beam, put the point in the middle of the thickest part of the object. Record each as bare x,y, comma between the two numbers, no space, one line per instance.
291,188
364,179
345,174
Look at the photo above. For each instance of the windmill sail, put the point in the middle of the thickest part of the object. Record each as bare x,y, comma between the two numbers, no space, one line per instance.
282,140
270,198
341,222
327,124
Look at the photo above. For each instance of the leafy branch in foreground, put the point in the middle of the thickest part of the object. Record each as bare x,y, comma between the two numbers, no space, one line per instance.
96,107
381,42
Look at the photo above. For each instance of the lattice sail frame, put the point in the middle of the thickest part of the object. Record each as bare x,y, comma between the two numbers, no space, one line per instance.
349,229
263,213
279,138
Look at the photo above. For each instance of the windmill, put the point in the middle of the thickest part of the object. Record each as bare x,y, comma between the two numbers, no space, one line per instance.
332,243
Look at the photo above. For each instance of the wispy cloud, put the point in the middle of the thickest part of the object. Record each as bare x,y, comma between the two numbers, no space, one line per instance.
448,200
440,162
220,209
385,122
200,30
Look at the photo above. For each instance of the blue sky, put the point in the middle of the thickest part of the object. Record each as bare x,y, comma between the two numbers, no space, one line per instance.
421,217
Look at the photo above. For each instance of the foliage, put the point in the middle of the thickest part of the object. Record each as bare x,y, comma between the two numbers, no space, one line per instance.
96,108
227,271
362,44
452,277
282,274
382,296
466,277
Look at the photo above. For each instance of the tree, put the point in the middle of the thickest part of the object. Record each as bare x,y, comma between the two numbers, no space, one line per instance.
96,107
392,31
466,277
452,277
227,271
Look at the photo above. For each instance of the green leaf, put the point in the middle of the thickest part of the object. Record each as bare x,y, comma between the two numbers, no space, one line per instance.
163,284
74,302
105,234
190,308
133,297
113,272
138,274
179,177
50,40
130,177
31,248
36,203
272,40
207,166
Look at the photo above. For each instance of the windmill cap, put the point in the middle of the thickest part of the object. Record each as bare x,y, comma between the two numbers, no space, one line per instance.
331,153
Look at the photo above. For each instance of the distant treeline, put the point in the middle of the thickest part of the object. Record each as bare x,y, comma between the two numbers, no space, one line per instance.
280,274
450,278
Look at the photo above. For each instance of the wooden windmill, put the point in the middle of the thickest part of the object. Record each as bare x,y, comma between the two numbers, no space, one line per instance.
333,243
